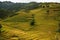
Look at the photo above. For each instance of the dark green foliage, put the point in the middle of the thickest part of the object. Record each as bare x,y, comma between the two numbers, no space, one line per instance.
0,28
6,13
33,21
3,13
43,6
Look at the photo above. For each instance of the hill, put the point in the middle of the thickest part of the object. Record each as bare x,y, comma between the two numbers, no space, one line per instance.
42,23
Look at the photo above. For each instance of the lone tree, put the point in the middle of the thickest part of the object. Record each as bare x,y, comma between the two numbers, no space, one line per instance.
33,21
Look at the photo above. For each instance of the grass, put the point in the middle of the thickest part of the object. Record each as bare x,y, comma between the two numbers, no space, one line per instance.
19,25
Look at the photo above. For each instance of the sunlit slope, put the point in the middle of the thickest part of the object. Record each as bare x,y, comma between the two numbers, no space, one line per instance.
9,33
44,21
21,21
44,28
21,17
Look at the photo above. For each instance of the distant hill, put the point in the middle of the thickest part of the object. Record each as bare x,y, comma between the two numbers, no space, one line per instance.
16,6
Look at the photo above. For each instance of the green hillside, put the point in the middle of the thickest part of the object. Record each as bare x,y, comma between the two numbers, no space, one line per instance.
21,17
37,24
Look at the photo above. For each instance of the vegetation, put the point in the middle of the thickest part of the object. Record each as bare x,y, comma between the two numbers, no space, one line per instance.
30,21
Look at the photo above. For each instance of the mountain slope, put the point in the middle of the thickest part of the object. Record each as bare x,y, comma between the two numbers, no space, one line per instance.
45,22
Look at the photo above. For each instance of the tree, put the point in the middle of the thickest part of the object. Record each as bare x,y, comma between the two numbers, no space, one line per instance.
33,21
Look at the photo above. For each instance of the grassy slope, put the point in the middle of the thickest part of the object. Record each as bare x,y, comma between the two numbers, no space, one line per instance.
44,28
